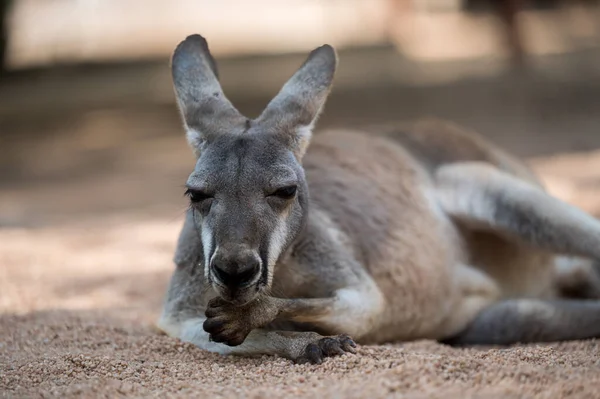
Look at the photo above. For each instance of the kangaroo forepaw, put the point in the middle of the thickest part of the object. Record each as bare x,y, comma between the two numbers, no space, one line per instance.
230,324
316,351
225,324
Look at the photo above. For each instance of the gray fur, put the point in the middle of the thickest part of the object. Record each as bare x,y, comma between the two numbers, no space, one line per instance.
424,232
525,212
530,320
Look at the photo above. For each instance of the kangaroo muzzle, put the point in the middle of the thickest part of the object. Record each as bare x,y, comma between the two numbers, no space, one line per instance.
235,271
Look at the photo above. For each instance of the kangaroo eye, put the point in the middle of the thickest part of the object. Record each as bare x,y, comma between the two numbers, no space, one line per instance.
285,192
197,196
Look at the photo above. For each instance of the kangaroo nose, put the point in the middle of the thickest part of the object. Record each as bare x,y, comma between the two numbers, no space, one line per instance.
234,276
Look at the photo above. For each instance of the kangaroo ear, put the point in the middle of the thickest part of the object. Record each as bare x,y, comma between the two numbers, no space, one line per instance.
205,110
293,112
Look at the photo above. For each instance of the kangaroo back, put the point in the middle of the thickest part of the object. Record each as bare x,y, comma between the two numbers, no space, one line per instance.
437,142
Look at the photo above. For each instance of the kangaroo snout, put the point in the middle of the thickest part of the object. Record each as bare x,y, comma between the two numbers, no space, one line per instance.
237,276
235,269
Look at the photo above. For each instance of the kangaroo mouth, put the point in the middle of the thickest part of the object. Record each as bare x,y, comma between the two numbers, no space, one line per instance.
238,296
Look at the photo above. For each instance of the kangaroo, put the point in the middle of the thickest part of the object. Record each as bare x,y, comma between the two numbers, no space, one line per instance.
425,232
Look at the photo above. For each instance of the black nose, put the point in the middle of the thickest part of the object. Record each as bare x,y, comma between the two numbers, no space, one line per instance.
235,276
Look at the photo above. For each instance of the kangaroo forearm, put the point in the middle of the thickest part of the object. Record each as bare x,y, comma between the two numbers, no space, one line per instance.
231,324
303,309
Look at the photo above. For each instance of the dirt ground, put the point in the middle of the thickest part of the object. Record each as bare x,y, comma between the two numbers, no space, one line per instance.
91,205
79,302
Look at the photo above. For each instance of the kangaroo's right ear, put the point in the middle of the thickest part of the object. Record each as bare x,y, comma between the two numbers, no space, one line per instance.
293,112
205,110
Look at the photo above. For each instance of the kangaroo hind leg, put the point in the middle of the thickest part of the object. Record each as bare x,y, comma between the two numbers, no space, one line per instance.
483,197
531,320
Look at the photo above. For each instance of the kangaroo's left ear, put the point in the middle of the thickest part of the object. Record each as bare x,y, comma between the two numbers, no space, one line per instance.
293,112
206,112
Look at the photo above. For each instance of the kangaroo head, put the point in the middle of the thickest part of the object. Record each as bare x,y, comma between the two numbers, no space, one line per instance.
248,192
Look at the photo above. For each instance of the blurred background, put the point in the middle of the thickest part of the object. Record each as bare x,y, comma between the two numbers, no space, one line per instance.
89,127
93,157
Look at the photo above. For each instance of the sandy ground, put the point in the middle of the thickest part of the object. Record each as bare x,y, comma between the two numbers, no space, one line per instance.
78,301
78,306
91,204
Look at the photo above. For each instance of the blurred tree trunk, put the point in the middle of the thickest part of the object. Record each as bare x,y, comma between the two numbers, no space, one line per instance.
509,10
4,8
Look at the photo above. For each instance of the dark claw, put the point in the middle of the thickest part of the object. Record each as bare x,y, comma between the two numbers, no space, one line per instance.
216,338
327,346
227,339
235,341
330,346
347,344
212,312
346,337
213,325
313,354
218,332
